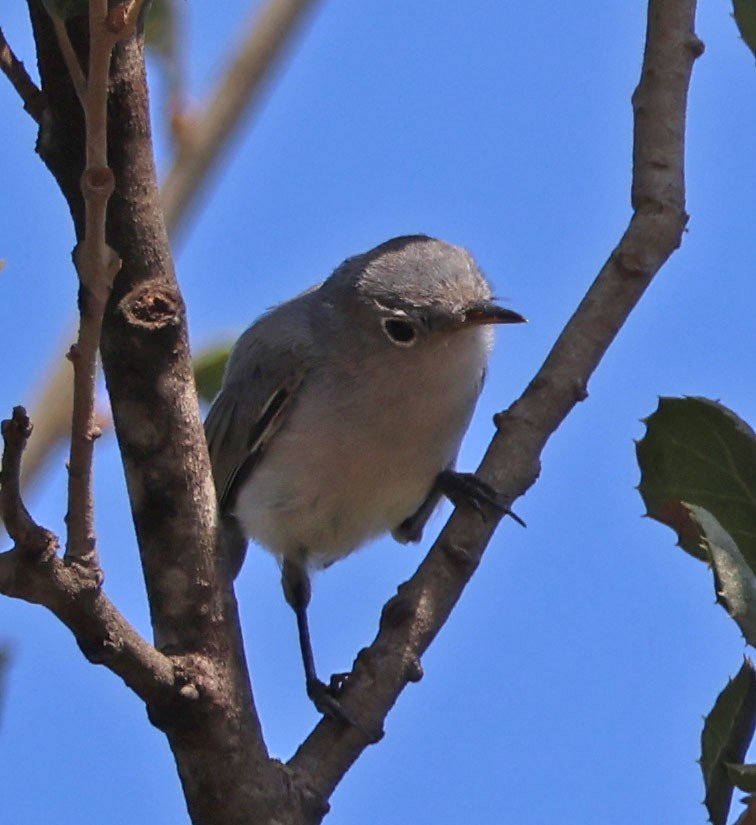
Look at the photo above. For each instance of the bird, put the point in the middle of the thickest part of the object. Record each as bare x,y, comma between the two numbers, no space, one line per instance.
341,413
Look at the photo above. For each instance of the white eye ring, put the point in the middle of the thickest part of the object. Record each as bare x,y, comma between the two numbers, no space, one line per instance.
399,331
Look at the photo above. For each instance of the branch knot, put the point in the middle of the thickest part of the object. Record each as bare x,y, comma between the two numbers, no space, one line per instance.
152,307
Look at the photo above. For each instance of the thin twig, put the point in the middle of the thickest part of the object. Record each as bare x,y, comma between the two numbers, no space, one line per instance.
242,83
101,631
70,57
32,540
413,618
15,71
239,87
33,571
96,263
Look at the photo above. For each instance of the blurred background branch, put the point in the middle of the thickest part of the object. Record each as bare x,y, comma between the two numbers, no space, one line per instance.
206,135
202,141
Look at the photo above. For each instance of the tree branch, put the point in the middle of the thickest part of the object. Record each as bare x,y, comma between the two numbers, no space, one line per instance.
267,38
15,71
209,714
34,541
70,58
241,83
104,636
97,264
412,619
32,571
216,737
211,722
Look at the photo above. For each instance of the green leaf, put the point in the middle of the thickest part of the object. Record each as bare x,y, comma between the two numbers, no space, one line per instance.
734,580
726,735
745,17
742,776
699,452
162,35
208,371
160,28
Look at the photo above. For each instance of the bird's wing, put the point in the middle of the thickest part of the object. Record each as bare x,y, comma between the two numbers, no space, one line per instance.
245,417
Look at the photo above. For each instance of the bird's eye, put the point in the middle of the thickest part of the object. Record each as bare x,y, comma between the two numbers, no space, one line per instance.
399,331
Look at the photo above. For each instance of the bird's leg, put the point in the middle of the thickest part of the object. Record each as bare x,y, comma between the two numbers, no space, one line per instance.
296,587
467,488
411,529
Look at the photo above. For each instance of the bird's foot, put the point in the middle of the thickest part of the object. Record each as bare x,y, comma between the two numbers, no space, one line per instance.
324,697
467,488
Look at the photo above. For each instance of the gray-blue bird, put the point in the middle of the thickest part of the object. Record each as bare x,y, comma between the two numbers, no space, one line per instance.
342,412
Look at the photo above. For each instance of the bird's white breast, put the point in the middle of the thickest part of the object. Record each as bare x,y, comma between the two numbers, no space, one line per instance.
359,453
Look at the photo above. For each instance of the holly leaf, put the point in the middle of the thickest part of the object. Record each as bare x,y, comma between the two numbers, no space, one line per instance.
745,17
726,735
734,580
696,451
742,776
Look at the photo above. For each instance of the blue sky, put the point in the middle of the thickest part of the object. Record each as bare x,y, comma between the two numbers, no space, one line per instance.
570,683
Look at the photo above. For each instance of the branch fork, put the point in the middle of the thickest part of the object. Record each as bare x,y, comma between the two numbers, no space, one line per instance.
34,571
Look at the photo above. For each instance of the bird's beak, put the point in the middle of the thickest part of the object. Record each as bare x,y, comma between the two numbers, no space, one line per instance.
486,312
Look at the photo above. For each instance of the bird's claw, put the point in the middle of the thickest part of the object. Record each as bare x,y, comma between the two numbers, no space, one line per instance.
467,488
324,698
